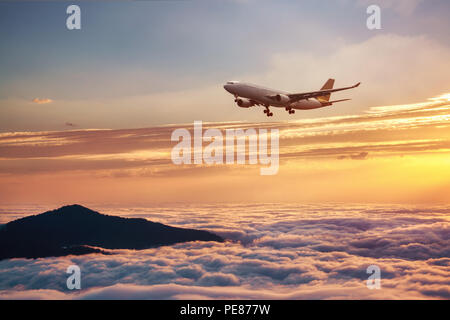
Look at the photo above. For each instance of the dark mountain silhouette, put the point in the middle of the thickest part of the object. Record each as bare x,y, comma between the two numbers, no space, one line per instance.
78,230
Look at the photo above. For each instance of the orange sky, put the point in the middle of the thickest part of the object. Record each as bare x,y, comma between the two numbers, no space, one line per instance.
389,154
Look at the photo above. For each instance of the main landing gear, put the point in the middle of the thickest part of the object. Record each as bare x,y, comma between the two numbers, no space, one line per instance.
267,112
290,110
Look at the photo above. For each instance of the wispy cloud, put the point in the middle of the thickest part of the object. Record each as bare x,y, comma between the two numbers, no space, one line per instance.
42,100
381,131
406,145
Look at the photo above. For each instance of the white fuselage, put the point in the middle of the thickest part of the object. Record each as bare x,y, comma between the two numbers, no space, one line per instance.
262,95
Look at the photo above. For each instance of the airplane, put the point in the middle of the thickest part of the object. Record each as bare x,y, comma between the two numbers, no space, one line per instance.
247,95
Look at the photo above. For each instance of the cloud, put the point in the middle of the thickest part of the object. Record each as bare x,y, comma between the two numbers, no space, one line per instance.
403,146
392,68
380,131
356,156
42,100
296,252
219,279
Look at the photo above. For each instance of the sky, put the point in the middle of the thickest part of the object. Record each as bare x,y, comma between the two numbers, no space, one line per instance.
140,63
86,115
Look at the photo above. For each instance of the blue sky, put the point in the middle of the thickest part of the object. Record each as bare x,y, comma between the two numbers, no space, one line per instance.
140,48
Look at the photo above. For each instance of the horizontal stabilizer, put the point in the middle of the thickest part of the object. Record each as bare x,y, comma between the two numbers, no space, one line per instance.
339,100
329,103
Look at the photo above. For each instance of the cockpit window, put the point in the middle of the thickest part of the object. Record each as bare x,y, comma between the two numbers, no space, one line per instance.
231,82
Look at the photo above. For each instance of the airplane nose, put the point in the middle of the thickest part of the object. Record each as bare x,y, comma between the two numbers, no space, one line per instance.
227,87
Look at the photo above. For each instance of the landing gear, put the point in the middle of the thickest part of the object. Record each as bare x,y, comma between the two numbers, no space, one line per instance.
267,112
290,110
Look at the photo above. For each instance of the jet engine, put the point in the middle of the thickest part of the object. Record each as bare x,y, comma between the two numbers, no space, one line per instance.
243,102
282,98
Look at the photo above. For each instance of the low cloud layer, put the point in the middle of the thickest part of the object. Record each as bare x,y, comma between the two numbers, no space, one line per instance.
274,251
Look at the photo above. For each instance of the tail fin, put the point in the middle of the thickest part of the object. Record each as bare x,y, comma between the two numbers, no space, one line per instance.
328,85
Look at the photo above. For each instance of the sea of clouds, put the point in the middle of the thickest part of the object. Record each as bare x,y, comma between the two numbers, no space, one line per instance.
274,251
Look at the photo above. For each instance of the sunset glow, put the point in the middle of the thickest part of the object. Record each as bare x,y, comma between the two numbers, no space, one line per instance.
232,149
388,154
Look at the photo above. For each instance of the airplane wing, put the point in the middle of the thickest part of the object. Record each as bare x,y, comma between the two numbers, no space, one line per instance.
300,96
